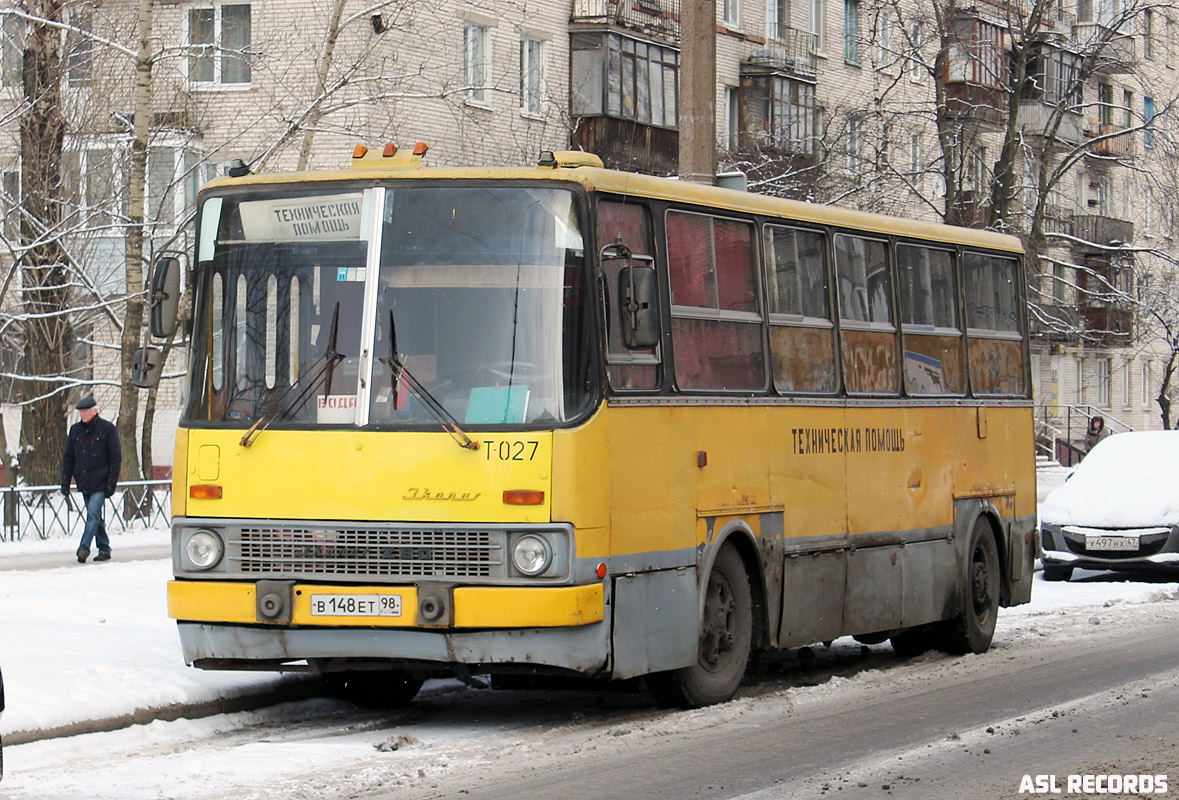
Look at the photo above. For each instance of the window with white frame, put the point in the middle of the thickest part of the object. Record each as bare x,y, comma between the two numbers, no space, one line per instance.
732,10
1127,382
219,38
1079,380
531,75
1146,399
80,49
884,50
94,191
476,61
12,48
916,71
777,19
816,23
1103,381
1148,33
851,146
175,171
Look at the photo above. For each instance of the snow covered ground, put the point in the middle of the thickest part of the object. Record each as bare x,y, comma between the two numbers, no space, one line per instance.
93,641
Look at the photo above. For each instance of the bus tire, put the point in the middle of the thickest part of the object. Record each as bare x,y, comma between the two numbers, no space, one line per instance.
915,641
374,689
972,630
1056,573
726,641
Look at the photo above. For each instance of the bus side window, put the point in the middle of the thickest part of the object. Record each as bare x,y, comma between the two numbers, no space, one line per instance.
930,329
629,222
802,335
867,335
715,321
993,323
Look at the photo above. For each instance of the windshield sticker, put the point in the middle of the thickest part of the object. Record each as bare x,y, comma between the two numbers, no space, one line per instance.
354,274
303,219
339,409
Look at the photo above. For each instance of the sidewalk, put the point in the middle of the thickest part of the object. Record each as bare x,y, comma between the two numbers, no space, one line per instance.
90,647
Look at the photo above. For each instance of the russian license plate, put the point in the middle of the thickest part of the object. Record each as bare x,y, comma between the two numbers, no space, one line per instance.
1111,543
356,605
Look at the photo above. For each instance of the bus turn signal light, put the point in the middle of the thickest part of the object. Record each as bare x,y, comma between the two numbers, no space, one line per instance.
523,497
204,492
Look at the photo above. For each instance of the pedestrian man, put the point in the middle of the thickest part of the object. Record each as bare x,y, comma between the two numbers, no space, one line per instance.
92,458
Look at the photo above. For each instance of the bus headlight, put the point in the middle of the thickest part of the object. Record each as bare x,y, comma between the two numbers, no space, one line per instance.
532,555
203,550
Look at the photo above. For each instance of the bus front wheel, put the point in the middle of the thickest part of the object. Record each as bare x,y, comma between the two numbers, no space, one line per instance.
726,639
973,629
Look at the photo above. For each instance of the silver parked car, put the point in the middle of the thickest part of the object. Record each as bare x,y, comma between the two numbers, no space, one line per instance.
1118,510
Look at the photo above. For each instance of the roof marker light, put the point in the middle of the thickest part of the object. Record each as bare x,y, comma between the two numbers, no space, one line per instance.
390,150
420,148
359,151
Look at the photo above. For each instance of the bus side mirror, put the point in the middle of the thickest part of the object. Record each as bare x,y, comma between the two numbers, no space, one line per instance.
147,364
639,306
165,296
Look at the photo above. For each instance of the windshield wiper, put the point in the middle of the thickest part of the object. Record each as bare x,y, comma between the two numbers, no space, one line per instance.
326,367
398,372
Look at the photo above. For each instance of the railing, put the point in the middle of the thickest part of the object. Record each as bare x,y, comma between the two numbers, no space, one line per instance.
1058,427
792,51
654,17
41,512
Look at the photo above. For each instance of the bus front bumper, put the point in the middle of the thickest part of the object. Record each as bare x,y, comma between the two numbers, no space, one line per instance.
225,625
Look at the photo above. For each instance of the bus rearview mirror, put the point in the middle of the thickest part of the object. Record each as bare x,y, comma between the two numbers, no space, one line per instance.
147,364
165,296
639,306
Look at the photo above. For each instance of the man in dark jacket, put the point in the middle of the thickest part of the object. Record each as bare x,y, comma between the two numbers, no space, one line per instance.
92,457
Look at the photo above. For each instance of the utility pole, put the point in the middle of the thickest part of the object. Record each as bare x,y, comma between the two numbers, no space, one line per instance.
698,90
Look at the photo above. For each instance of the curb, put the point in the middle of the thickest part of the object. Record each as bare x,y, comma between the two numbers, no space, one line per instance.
295,690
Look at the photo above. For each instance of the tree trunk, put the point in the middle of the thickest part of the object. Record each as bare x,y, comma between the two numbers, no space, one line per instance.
133,249
45,268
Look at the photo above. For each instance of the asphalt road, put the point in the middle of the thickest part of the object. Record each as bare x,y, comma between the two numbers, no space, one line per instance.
1101,706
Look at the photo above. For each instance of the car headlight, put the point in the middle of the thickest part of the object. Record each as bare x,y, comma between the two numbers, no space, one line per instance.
532,554
203,549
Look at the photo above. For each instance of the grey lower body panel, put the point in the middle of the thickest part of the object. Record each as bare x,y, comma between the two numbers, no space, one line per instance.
582,649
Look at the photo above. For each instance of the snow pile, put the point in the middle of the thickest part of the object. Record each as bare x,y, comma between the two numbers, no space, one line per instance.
1127,481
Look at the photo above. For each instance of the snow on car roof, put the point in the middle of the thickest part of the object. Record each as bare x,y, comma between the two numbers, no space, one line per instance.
1128,480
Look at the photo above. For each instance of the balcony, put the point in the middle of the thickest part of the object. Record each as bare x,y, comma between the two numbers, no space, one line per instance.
791,52
1057,220
628,145
1107,323
1104,231
656,18
1035,117
1118,145
1112,52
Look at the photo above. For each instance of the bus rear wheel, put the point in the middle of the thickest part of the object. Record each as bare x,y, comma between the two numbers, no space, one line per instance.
376,689
726,640
974,628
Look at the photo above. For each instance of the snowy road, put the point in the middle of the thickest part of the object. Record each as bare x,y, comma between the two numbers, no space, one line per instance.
1080,680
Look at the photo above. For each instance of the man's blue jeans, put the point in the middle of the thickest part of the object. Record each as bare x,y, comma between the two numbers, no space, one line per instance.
95,526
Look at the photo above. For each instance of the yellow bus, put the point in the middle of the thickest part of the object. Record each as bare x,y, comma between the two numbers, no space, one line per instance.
565,421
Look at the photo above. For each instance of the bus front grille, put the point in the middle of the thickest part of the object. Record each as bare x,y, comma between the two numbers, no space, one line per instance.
376,552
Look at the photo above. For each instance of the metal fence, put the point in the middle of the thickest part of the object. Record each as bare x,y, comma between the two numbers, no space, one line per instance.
41,512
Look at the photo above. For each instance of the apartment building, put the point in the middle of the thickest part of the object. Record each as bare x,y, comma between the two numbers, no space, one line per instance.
888,105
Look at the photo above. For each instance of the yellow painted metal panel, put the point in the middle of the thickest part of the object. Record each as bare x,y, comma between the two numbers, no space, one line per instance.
366,475
180,473
581,484
208,462
212,601
527,607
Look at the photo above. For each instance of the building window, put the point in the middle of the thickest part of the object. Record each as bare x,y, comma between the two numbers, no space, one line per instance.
779,112
89,175
1146,399
915,63
884,54
616,76
1053,77
1059,282
476,61
1103,382
733,107
977,54
777,19
732,9
1105,104
851,31
1148,117
12,48
531,75
817,10
80,50
9,202
1079,381
219,41
1127,108
1127,383
1148,33
851,144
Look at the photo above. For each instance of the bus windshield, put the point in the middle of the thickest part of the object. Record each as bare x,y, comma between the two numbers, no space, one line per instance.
478,292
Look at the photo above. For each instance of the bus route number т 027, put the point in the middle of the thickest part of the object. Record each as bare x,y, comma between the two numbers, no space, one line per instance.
511,450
